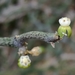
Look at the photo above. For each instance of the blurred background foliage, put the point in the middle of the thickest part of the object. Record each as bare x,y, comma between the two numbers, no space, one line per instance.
20,16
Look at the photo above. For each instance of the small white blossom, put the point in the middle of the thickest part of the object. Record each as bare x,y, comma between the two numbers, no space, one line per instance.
64,21
24,61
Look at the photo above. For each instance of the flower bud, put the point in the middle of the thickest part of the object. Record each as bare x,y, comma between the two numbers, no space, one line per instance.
36,51
64,28
24,61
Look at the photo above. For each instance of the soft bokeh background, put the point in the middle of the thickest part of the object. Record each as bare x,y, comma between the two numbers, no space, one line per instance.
20,16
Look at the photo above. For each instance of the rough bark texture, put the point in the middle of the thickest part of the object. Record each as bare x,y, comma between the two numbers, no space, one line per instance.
19,40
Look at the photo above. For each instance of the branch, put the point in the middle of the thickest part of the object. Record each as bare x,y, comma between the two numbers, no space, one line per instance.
20,40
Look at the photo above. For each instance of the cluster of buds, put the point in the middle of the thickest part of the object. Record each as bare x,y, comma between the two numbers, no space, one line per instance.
63,30
24,60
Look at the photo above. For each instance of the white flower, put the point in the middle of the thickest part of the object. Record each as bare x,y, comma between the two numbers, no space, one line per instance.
64,21
24,61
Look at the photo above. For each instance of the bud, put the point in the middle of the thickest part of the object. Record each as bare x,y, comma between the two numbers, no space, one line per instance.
64,28
24,62
36,51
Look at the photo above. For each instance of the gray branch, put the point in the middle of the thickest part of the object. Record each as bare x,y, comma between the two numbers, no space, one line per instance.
19,40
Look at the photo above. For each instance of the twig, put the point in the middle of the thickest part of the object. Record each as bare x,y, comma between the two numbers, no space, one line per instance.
20,40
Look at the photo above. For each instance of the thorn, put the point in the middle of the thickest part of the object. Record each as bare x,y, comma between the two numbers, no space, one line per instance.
52,44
